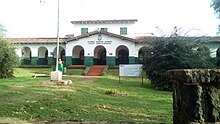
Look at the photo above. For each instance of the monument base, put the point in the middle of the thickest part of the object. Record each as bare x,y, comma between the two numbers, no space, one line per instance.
61,82
56,76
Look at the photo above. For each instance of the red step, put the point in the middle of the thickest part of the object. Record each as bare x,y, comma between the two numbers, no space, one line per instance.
96,70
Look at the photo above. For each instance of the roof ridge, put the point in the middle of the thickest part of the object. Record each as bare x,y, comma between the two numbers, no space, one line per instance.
102,32
104,21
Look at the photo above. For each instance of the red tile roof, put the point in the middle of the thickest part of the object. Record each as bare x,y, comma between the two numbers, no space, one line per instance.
35,40
64,40
144,39
212,39
140,39
104,21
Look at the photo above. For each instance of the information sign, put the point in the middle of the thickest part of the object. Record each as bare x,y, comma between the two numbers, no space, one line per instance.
135,70
130,70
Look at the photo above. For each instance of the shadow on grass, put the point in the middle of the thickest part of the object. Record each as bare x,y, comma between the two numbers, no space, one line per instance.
126,82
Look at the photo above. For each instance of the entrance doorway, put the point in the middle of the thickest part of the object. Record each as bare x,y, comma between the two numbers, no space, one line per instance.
100,55
102,58
122,55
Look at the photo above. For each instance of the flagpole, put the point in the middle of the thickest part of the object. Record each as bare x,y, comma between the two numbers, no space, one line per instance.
58,37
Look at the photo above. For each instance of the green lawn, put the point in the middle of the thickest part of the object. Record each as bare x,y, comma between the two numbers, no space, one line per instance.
87,99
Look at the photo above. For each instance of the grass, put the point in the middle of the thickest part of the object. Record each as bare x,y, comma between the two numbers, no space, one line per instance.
87,99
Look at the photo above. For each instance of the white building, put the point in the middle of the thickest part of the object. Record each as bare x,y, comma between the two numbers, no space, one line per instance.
95,42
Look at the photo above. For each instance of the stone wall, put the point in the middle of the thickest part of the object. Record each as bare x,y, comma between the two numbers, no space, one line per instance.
196,95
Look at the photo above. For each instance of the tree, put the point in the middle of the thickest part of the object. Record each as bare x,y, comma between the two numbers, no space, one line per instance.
174,52
216,6
8,56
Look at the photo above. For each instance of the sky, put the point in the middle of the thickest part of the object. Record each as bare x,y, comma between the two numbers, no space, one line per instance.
32,18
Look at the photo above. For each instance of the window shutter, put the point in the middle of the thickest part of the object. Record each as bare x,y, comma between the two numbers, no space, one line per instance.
84,31
123,31
104,29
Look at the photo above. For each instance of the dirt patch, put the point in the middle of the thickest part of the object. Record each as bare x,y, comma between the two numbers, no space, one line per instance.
12,121
114,93
118,94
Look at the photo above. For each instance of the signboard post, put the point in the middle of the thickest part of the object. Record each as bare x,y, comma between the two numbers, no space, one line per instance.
134,70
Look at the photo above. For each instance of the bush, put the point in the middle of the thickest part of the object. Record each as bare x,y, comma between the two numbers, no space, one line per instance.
8,59
110,92
168,53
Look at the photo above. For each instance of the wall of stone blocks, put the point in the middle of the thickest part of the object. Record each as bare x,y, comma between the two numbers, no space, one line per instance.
196,96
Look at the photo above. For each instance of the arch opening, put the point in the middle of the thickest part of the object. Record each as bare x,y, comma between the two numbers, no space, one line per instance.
61,55
122,55
100,55
141,55
78,55
42,56
26,56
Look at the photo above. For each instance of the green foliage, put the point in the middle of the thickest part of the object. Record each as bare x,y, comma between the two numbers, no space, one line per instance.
216,6
110,92
8,59
166,53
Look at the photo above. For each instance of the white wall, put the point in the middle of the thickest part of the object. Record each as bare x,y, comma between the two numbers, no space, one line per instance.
110,48
113,28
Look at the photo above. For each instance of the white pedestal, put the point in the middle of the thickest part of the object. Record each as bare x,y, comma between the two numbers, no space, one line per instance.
55,75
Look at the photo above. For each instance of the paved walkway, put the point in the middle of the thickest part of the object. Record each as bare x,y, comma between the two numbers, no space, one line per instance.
96,70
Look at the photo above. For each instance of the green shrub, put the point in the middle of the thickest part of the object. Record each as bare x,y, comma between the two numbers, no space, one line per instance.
8,59
169,53
110,92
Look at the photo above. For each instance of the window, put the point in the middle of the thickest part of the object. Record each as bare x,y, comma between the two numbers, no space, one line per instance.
123,31
84,31
104,29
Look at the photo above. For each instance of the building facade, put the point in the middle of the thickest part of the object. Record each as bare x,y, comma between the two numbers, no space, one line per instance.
95,42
